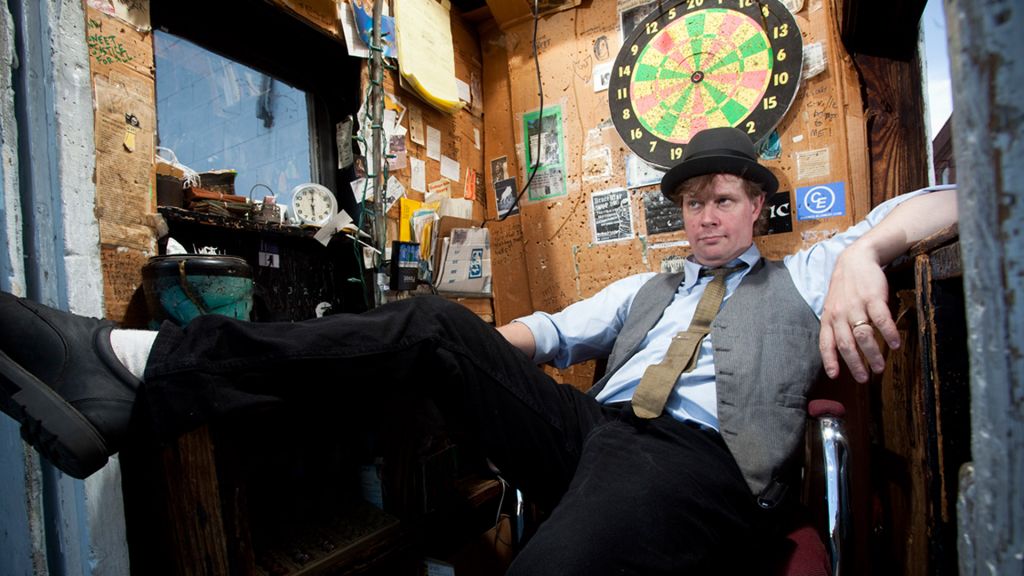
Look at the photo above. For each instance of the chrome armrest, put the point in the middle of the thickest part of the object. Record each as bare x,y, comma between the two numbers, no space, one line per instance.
829,415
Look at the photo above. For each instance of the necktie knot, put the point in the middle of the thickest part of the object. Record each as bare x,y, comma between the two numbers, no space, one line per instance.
721,271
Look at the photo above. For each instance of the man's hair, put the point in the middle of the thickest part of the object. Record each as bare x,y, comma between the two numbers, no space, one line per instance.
699,186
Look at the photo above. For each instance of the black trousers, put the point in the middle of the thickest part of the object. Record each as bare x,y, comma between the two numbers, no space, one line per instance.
627,496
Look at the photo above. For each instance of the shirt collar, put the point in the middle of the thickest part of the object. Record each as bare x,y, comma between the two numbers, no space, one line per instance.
749,257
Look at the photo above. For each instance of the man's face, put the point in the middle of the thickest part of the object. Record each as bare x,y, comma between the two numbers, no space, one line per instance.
720,223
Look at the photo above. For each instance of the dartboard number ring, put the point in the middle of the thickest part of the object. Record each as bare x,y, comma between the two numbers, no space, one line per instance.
702,64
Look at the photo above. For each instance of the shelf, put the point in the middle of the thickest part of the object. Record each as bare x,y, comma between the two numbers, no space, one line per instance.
172,214
355,542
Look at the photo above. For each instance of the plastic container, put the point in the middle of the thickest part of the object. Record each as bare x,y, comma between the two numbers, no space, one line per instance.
179,288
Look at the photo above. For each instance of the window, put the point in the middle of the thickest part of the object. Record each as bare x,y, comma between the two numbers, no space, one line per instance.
263,97
215,113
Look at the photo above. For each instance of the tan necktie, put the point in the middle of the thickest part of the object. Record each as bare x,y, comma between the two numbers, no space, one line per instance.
659,379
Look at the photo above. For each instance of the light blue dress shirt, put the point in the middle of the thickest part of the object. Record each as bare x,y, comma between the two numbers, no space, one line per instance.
587,329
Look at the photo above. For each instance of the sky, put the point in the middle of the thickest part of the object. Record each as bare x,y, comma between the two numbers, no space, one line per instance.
936,61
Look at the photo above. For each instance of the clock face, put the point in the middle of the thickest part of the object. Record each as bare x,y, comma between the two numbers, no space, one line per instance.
700,64
313,204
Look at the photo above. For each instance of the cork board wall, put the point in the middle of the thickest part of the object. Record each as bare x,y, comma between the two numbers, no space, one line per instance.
461,133
821,141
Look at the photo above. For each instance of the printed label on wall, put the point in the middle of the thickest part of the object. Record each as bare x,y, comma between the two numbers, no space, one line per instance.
821,201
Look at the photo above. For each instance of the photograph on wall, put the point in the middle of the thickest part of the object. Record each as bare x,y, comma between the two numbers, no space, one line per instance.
661,215
505,192
544,137
544,153
612,215
499,169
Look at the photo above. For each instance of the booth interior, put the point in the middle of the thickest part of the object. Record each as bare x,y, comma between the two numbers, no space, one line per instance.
505,155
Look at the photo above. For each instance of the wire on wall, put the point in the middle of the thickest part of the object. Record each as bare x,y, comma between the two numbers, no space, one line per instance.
540,121
376,165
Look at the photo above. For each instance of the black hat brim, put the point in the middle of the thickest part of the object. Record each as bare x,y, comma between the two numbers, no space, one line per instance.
718,164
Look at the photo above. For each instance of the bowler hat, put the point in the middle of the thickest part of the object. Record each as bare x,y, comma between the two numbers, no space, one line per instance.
716,151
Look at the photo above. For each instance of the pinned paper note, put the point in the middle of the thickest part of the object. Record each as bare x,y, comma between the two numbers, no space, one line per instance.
426,55
416,125
418,174
343,137
338,222
450,168
433,143
439,189
469,188
463,90
394,191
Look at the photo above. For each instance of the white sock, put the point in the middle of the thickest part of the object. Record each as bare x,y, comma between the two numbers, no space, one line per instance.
132,348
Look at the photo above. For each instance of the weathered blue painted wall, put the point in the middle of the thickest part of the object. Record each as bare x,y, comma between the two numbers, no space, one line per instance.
51,523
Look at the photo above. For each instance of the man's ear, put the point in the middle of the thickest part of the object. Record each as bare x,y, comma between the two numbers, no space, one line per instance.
758,202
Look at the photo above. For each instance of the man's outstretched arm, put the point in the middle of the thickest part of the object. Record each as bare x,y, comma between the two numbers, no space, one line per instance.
858,290
519,336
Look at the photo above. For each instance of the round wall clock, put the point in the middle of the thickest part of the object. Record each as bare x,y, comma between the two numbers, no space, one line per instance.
700,64
313,204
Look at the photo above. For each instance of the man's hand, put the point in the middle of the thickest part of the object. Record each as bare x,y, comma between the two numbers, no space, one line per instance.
856,306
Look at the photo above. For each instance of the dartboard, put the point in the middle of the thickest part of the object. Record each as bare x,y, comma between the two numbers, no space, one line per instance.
700,64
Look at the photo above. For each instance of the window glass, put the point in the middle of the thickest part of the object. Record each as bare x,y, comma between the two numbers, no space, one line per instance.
217,114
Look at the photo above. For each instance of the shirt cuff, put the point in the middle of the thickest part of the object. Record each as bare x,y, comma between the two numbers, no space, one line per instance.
545,336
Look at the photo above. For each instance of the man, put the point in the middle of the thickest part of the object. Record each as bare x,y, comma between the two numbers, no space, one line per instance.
668,466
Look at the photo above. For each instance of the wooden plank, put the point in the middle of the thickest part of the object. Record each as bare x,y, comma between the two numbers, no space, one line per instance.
321,15
943,380
509,12
196,526
945,262
900,519
899,161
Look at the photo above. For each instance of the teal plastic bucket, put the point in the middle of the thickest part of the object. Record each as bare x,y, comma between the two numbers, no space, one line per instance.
179,288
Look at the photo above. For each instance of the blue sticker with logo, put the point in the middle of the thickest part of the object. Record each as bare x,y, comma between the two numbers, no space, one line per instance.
821,201
476,263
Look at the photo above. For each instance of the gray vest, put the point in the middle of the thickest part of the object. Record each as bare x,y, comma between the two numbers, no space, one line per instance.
765,346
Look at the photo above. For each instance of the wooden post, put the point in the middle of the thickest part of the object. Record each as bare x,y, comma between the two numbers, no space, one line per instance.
988,136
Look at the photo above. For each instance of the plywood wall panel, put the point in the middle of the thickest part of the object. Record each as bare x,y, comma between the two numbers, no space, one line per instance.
512,295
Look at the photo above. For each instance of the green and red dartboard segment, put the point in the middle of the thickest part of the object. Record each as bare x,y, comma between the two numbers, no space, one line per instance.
702,64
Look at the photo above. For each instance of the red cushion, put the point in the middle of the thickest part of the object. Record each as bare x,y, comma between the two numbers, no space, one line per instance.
803,554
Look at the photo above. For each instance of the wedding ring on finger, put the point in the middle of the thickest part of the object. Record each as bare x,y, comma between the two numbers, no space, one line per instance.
860,323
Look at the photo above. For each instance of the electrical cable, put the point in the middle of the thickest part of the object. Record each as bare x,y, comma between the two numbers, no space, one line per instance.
498,515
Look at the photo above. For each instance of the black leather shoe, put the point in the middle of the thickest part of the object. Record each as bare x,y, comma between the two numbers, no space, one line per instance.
60,379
